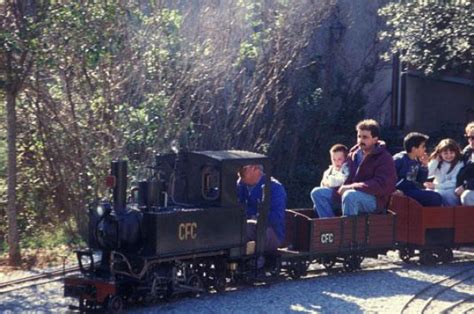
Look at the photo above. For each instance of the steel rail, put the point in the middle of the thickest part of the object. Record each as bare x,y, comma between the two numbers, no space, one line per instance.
50,274
418,295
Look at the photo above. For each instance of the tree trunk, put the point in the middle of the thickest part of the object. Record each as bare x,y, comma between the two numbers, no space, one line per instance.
13,235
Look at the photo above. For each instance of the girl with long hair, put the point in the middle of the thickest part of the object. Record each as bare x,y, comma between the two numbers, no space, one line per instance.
445,163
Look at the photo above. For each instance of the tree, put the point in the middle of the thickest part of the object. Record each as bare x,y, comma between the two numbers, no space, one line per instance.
16,62
432,36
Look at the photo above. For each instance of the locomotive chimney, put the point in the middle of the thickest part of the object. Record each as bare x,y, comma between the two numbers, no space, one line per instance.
119,171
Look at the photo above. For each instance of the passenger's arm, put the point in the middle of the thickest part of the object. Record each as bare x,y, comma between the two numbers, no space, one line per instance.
398,166
324,179
277,205
432,165
422,174
451,182
384,179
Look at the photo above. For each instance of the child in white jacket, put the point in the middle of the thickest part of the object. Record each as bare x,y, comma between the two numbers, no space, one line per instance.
444,166
338,171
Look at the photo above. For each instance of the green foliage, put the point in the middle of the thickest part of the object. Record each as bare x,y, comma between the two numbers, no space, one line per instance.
433,36
46,237
51,237
145,128
252,47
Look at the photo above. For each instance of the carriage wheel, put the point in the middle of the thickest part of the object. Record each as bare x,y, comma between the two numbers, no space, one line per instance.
348,265
352,262
405,254
298,270
427,257
446,255
114,304
328,262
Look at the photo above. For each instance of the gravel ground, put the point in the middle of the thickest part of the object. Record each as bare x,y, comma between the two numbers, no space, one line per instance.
385,289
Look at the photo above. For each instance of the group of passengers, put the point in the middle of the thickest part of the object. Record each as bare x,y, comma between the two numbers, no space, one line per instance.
362,179
445,178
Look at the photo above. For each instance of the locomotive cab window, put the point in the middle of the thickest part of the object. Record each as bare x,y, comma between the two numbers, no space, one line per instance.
210,187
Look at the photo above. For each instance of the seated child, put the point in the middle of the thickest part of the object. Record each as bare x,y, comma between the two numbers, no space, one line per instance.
412,171
444,166
338,171
333,177
465,180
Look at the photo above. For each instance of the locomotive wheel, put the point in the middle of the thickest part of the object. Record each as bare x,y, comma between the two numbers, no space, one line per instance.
170,294
328,262
427,257
114,304
405,254
196,283
220,284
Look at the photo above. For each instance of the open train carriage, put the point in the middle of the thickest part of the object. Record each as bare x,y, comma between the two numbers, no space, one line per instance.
343,239
431,232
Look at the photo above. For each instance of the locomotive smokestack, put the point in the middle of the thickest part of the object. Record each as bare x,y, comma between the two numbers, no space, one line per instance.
119,171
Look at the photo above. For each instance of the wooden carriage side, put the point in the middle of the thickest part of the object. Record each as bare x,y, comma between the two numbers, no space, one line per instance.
338,235
464,225
421,226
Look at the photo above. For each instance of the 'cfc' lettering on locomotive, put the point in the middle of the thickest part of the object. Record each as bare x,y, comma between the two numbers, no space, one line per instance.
187,230
327,238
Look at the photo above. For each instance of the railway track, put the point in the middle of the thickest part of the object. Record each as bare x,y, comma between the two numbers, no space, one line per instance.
37,279
383,263
425,299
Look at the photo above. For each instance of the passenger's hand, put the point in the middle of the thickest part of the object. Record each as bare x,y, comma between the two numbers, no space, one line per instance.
398,192
424,159
343,188
459,190
429,185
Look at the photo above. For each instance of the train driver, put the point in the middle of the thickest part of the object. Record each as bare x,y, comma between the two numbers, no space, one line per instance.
249,191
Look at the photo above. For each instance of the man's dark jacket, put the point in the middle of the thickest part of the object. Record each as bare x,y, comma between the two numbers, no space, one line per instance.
376,174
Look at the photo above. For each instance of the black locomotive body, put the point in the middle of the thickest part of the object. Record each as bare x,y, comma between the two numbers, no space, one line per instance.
179,231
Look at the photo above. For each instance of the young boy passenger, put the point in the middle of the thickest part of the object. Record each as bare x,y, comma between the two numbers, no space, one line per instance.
412,170
335,176
338,171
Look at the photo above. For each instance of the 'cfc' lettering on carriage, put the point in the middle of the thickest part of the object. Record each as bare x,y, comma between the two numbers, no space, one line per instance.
187,230
327,238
